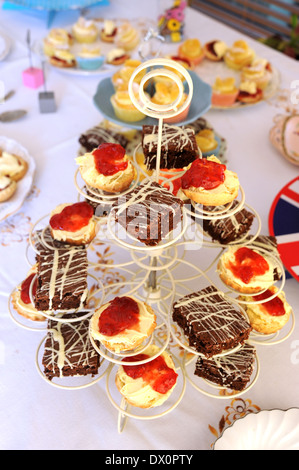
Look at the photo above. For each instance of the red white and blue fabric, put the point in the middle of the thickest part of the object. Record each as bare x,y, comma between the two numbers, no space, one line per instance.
284,225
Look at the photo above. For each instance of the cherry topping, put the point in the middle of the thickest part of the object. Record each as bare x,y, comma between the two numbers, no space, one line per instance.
247,264
274,307
25,287
108,159
72,217
121,314
205,174
156,372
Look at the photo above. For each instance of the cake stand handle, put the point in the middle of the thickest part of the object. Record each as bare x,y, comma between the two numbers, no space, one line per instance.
122,419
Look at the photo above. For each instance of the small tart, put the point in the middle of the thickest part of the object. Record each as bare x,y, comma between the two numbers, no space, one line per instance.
239,55
73,223
246,270
149,384
21,298
63,59
270,316
123,324
208,182
7,188
215,50
113,157
13,166
192,50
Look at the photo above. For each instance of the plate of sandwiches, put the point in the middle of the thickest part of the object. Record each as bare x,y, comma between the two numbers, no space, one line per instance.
17,168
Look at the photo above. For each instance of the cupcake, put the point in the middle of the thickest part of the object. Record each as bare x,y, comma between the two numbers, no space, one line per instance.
90,59
259,72
215,50
249,93
167,93
127,37
207,142
224,92
122,77
63,59
123,323
57,38
149,384
109,31
192,51
117,56
239,55
85,31
123,107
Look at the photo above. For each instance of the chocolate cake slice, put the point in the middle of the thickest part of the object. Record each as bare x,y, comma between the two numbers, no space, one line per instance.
97,135
228,229
149,213
68,351
61,275
210,322
178,146
232,371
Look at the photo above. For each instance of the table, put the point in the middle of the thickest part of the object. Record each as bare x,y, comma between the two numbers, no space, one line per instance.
34,415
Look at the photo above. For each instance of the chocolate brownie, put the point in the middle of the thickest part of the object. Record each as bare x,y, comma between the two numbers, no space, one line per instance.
149,212
210,322
100,208
228,229
61,275
68,350
232,371
178,146
97,135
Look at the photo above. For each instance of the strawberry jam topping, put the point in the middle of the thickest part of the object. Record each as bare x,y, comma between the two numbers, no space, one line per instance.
73,217
121,314
156,373
109,159
25,289
248,264
205,174
274,307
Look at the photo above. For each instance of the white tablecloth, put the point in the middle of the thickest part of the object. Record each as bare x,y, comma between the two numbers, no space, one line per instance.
35,415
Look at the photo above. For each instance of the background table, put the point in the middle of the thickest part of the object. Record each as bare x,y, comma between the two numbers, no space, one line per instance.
34,415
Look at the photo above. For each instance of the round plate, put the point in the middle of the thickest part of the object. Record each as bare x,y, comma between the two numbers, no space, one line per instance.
284,225
265,430
11,206
5,45
200,104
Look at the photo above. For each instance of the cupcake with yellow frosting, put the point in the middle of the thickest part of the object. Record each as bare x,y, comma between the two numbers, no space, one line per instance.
249,92
259,72
192,50
85,31
127,37
63,59
167,93
239,55
123,107
58,38
207,142
90,59
224,92
123,75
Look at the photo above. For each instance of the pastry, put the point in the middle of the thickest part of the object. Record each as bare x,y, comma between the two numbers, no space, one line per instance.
123,107
109,31
122,77
259,72
58,38
224,92
270,316
68,351
207,142
85,31
117,56
13,166
178,146
63,58
215,50
239,55
208,182
73,223
249,93
127,37
232,371
228,229
107,167
8,188
165,94
192,50
210,322
90,59
149,213
149,384
97,135
21,298
267,243
61,275
246,270
123,323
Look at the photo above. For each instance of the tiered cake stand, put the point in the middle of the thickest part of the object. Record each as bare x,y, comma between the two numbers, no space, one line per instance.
158,275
